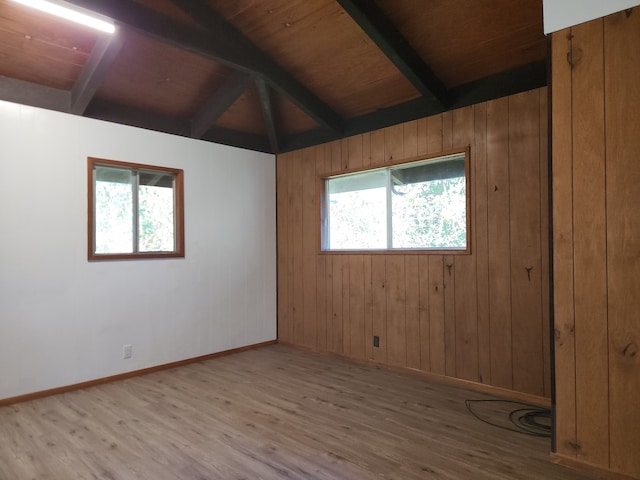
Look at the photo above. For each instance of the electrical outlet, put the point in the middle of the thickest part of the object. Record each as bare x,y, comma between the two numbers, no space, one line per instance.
376,341
127,351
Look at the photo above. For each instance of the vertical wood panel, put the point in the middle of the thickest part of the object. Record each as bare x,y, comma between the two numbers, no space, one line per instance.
466,308
366,150
450,315
297,316
393,143
436,314
424,286
622,102
356,306
282,202
346,318
368,308
310,234
336,156
481,252
396,321
412,311
379,306
422,136
526,281
410,133
434,134
322,313
354,145
499,241
377,147
544,238
589,244
564,344
336,305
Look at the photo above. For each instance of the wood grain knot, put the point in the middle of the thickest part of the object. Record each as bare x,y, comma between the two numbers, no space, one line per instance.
631,350
574,56
628,12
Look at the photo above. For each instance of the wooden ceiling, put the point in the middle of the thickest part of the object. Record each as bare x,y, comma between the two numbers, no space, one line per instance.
272,75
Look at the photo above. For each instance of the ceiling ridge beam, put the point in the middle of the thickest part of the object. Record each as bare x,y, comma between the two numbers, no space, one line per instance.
234,86
104,53
267,113
34,94
372,20
262,64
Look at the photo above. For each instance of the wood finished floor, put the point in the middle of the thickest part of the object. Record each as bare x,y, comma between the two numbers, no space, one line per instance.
270,413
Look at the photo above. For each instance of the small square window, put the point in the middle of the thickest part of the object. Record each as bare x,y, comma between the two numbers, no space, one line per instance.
135,211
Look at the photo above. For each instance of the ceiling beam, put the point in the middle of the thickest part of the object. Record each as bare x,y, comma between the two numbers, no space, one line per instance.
239,139
33,94
92,75
262,64
221,42
219,102
520,79
392,43
267,113
135,117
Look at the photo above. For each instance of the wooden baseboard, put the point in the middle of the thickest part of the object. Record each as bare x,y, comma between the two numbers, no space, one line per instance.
443,379
123,376
594,470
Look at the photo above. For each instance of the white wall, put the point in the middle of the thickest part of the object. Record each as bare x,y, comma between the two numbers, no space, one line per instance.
64,320
559,14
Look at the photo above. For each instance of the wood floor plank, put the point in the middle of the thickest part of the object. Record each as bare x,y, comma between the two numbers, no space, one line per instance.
271,413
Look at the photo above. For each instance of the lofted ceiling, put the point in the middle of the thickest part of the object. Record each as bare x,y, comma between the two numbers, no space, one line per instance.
272,75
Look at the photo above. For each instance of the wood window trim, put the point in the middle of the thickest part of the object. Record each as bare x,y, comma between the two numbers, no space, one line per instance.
321,195
179,251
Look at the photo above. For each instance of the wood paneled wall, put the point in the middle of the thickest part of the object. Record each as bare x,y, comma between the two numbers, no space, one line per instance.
481,317
596,187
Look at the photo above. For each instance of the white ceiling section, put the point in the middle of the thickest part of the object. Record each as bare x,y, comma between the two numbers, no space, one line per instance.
559,14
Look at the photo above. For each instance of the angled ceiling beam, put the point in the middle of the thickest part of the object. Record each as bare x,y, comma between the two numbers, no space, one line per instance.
219,102
392,43
95,70
33,94
260,63
267,113
222,42
520,79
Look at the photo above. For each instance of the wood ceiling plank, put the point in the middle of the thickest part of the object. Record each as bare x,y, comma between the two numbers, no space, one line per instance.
464,40
40,49
325,49
161,78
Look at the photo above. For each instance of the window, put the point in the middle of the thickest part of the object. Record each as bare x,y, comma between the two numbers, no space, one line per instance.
135,211
417,205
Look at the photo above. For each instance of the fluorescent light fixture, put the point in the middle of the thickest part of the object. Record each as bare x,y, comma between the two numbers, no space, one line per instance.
70,14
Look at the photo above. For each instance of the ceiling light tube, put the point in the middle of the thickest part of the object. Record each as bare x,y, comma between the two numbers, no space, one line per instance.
70,14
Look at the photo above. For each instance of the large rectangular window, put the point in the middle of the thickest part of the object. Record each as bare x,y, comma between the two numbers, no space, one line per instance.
418,205
135,211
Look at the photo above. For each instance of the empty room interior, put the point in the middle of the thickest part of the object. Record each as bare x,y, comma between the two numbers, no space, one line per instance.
320,239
